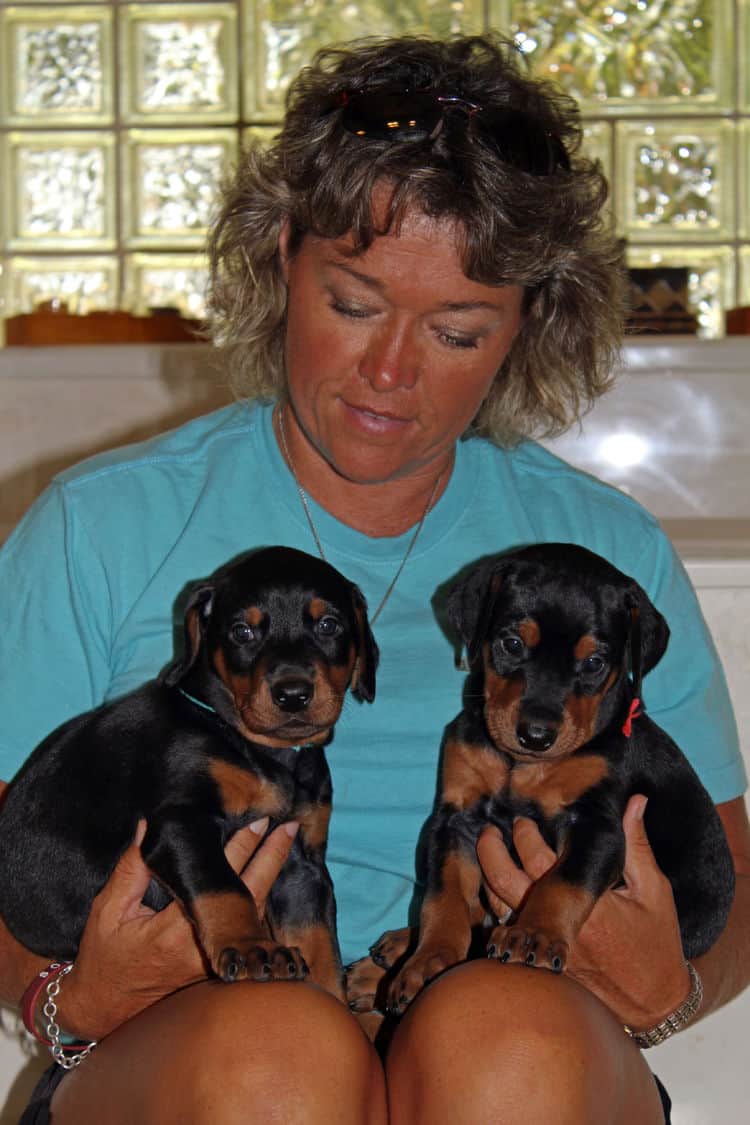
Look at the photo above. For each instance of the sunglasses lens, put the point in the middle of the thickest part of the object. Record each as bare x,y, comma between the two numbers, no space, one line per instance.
392,117
517,138
520,140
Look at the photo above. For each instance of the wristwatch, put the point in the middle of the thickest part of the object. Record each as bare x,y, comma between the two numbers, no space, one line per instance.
677,1019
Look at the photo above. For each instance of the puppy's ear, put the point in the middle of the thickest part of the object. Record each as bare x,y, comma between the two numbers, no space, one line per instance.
653,629
197,613
363,677
471,602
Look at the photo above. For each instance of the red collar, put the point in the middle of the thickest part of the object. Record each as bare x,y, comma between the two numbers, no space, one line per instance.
634,712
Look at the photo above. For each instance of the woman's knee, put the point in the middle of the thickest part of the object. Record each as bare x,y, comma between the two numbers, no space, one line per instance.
486,1040
241,1053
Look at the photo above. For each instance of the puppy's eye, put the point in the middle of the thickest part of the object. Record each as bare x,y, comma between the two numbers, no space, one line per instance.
242,633
593,665
512,646
328,626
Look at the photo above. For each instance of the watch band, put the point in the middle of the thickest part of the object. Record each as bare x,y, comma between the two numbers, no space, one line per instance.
677,1019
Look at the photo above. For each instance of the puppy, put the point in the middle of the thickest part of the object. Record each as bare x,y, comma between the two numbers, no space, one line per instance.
553,729
233,731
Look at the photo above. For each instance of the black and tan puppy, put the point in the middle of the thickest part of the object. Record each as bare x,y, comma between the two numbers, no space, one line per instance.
553,729
233,731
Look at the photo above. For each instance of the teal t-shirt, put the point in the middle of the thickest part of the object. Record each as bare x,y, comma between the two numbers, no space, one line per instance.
90,576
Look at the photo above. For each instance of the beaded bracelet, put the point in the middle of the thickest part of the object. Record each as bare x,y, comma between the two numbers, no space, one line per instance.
48,980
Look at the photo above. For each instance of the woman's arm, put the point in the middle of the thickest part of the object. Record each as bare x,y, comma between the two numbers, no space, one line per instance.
629,952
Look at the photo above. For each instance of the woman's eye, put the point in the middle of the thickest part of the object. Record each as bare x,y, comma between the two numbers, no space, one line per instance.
327,627
455,341
512,646
592,665
242,633
354,312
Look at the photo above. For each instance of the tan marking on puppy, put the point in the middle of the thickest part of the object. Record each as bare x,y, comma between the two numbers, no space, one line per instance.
321,957
224,919
554,785
242,791
585,647
313,822
318,608
470,773
529,632
580,715
557,908
502,706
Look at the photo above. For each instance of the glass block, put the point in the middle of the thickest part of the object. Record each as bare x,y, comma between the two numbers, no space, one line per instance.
744,289
597,144
676,179
83,284
744,216
286,33
176,281
630,55
711,279
179,61
60,191
172,179
56,65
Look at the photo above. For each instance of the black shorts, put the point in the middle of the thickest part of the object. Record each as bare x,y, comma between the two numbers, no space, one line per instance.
37,1112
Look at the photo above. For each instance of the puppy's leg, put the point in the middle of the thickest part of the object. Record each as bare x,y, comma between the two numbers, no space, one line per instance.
186,854
559,903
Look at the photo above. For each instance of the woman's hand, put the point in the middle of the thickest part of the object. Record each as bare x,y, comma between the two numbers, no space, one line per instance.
130,956
629,951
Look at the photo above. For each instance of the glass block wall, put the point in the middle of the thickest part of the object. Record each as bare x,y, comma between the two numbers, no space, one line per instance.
116,120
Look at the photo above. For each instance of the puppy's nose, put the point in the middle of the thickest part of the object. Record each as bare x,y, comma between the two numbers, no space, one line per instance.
535,736
292,695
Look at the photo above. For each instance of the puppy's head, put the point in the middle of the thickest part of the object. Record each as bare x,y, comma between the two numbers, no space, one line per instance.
554,630
273,641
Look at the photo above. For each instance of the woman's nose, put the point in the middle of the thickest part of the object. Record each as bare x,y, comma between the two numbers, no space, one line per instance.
390,360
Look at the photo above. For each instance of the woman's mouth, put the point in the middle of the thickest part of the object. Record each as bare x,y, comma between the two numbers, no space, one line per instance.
375,422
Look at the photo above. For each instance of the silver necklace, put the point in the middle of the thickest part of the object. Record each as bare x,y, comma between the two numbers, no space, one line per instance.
306,508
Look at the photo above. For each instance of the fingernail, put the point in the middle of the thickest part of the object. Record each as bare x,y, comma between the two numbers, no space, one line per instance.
259,826
140,832
291,828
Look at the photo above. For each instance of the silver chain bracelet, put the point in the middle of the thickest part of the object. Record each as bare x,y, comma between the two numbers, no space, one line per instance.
57,1047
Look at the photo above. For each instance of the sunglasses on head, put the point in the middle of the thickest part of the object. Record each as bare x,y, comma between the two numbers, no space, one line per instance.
517,137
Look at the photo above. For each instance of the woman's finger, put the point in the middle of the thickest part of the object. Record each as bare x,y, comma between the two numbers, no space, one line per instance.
244,843
265,865
506,883
536,857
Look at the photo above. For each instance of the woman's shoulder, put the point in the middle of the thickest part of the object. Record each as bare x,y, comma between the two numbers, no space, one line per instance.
205,437
536,473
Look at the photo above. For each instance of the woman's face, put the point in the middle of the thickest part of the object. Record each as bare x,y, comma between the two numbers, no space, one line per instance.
390,352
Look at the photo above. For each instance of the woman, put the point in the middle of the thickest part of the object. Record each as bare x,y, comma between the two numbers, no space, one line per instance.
420,255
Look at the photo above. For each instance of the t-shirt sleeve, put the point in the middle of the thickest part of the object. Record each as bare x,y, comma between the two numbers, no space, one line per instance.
55,626
686,693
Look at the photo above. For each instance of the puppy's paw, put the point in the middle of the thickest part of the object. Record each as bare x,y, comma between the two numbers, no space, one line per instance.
363,978
260,961
528,947
391,946
418,971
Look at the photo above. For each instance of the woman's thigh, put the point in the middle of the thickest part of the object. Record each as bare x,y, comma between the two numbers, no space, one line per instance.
230,1053
507,1043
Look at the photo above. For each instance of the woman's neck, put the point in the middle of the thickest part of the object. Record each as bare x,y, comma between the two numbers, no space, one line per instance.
379,509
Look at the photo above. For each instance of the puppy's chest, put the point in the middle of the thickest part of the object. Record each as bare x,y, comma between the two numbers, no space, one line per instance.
480,777
279,786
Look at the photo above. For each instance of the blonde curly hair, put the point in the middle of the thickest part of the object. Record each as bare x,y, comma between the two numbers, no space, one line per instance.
548,233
